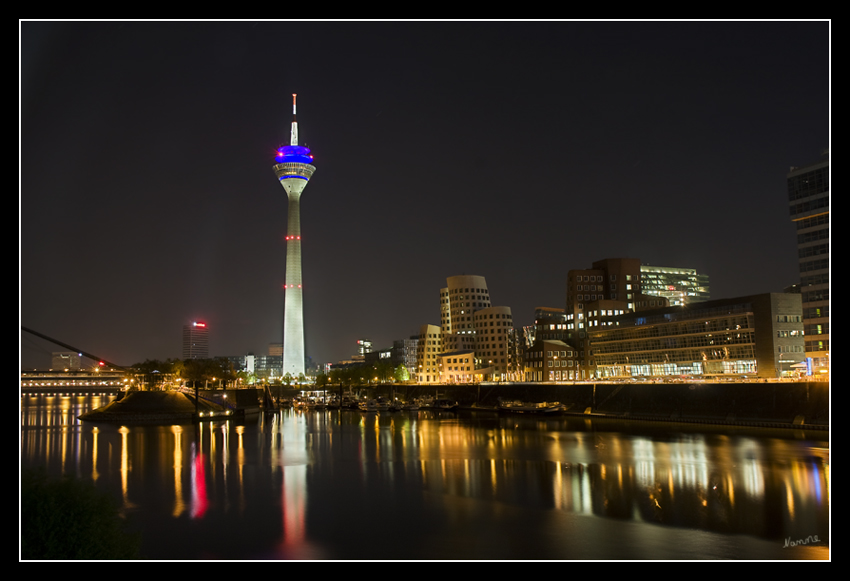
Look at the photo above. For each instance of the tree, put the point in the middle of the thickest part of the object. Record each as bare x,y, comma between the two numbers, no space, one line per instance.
205,370
401,374
178,368
192,371
153,372
246,378
221,368
384,371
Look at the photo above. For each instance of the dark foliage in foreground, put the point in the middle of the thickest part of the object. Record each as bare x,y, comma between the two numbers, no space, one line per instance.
70,519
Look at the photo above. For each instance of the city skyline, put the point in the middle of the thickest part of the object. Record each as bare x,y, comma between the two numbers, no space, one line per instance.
515,151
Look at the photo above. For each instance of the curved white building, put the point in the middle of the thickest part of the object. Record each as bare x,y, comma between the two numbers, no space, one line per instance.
462,296
474,336
493,327
428,349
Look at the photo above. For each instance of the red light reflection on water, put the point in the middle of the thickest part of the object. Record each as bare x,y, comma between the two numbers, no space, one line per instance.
199,485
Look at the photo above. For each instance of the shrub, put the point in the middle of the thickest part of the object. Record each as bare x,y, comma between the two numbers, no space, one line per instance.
67,518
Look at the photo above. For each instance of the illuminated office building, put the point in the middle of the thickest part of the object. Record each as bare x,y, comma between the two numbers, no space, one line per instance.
759,336
680,286
808,197
616,279
595,296
364,346
196,341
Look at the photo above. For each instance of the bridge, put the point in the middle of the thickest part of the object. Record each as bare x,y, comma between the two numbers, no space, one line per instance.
72,382
106,379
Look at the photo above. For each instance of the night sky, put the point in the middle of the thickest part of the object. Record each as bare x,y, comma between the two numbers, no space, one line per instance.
512,150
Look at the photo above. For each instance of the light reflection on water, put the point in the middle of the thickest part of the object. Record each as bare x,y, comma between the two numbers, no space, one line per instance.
426,485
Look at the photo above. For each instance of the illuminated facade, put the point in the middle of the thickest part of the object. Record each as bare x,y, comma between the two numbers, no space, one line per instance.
610,288
808,197
458,367
493,340
293,168
471,325
680,286
364,346
616,279
428,347
552,360
196,341
475,341
463,296
759,336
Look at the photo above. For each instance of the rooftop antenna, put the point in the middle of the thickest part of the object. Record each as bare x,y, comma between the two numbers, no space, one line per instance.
293,140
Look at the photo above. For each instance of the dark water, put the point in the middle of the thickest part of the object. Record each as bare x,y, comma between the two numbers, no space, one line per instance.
442,485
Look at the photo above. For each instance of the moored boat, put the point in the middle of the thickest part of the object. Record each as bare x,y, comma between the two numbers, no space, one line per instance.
524,407
445,404
410,405
370,405
374,405
426,401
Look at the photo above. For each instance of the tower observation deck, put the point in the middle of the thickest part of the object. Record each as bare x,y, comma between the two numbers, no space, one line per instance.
293,169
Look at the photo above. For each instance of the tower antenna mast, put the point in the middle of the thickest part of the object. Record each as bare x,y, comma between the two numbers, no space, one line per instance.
293,139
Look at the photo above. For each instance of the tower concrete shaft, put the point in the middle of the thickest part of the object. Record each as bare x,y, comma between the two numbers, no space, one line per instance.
293,170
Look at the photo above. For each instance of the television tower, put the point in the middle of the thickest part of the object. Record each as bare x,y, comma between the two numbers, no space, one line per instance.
294,169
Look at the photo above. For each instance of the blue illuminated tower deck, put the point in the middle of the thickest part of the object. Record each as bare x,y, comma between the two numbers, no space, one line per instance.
294,169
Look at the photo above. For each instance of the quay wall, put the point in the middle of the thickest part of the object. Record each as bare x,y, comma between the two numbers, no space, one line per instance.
774,404
730,403
777,404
